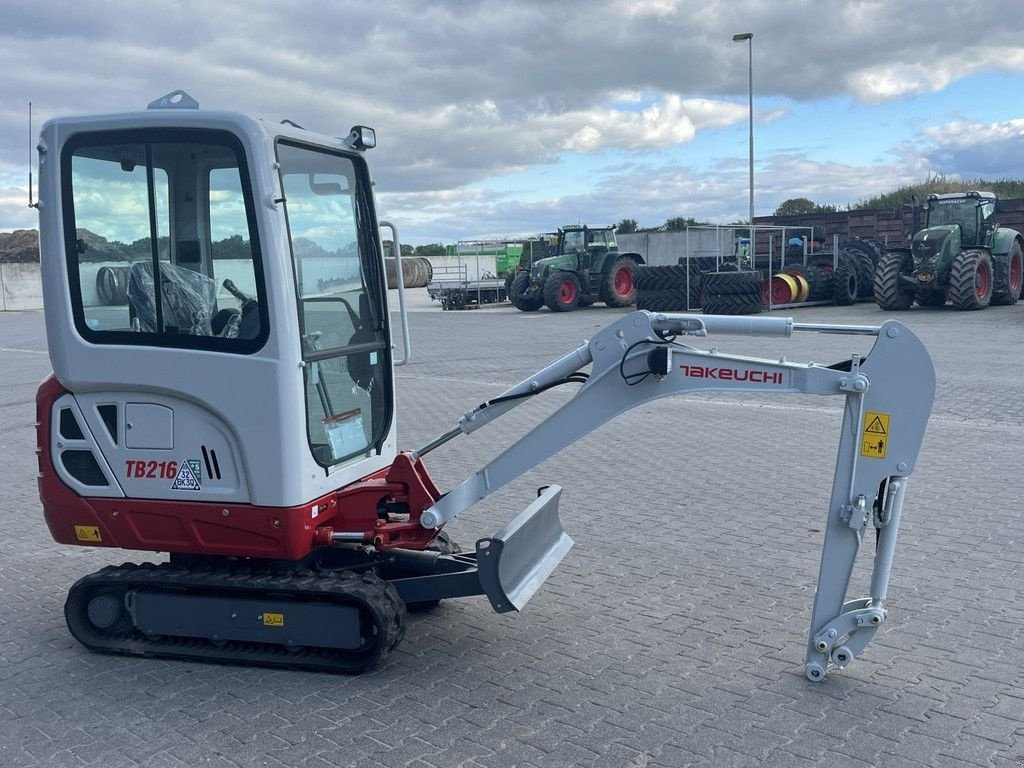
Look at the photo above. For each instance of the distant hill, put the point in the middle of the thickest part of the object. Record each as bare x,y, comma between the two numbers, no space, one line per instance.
22,246
1005,189
19,246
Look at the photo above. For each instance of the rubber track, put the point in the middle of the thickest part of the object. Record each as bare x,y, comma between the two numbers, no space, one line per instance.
376,598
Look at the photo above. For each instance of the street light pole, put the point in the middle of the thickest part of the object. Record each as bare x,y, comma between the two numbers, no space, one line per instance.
748,37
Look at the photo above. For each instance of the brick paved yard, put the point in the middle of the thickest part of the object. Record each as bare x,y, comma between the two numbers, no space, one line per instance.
672,634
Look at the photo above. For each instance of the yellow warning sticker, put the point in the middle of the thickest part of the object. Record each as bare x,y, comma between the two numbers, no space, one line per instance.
273,619
88,533
875,439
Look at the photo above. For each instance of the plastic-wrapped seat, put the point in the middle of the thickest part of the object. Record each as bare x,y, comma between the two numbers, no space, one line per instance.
188,299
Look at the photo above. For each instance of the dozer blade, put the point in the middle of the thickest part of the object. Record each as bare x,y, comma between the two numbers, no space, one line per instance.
514,562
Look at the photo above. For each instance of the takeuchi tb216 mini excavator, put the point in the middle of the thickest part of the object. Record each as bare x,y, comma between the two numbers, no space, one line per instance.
231,402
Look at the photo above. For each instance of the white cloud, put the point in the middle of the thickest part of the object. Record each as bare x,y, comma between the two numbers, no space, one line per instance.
927,73
469,91
962,133
971,149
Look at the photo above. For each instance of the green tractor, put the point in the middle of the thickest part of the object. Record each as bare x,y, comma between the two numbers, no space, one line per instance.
583,265
962,255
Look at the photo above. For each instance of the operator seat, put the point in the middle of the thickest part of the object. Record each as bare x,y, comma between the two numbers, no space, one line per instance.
188,299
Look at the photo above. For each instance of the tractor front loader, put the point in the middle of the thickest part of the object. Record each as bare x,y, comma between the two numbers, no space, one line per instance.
236,407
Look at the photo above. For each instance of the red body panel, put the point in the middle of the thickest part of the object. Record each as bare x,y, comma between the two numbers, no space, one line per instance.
240,530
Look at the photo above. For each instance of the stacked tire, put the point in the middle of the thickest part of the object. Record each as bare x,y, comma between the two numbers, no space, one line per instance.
874,249
112,285
845,278
819,281
664,289
866,254
731,293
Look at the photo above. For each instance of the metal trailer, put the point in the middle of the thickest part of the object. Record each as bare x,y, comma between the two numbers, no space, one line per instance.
452,287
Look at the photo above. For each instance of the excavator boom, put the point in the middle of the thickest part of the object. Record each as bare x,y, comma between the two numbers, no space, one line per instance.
888,397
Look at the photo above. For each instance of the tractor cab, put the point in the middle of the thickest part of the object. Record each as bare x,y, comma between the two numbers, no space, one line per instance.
973,213
954,222
582,248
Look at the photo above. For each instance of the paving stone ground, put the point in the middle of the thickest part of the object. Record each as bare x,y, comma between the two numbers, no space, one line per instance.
671,635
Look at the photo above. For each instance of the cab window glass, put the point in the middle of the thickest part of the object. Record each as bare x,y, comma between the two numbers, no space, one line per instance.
337,265
173,213
112,232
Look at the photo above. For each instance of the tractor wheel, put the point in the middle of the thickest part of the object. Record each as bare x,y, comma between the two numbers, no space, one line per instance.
845,283
970,280
618,287
1014,277
446,546
890,294
732,303
930,298
520,297
562,292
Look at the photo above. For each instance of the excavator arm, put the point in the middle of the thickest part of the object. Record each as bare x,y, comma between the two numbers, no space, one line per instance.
888,397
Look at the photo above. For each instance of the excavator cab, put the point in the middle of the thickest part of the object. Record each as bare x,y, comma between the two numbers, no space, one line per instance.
251,255
216,311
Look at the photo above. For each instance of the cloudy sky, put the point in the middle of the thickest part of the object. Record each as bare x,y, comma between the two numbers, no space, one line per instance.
495,118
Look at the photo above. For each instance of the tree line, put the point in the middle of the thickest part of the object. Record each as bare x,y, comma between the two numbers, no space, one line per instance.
1006,189
908,194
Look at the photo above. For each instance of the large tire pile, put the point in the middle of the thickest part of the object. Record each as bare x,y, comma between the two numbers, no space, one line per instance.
694,283
674,288
848,279
732,293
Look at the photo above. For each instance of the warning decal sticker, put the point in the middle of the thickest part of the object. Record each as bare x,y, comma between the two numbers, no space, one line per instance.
875,439
88,533
188,476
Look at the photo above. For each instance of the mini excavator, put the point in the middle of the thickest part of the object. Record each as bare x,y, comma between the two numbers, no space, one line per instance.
229,399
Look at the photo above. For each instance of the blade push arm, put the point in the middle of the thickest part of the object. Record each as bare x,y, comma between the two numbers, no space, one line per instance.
636,360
